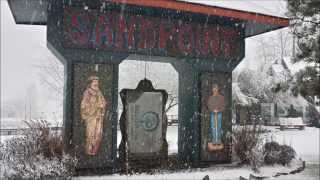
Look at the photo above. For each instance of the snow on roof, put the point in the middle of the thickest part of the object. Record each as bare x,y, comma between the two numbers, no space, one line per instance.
258,16
240,97
287,99
294,67
280,71
268,7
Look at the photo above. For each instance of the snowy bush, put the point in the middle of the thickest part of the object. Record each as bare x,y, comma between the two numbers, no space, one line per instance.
38,154
245,139
271,152
286,155
256,158
274,153
313,116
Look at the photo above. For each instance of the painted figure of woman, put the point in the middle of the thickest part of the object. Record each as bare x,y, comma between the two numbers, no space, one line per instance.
216,105
93,107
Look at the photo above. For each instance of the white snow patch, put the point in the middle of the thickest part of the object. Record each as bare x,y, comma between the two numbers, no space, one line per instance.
306,144
240,97
294,67
268,7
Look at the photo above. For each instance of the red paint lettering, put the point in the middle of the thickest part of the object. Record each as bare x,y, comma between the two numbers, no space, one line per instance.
185,39
165,34
131,27
150,34
203,40
79,28
104,35
229,42
117,32
120,30
215,42
142,34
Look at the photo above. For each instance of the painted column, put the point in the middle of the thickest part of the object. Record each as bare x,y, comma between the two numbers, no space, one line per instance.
189,128
93,108
90,97
216,117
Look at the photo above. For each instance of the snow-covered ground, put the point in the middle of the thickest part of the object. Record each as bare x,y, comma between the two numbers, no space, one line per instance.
215,173
306,144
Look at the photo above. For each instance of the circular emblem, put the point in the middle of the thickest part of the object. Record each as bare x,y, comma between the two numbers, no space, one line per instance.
149,121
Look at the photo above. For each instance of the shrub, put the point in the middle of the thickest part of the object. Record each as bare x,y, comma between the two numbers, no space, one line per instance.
271,152
245,139
37,154
274,153
286,155
313,116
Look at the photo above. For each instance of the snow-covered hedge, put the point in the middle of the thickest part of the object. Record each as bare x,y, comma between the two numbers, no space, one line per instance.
38,154
274,153
250,148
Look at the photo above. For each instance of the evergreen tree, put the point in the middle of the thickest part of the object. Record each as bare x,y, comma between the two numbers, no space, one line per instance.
305,16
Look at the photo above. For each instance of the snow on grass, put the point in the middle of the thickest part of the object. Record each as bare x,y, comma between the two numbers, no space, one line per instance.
216,173
305,142
195,174
172,138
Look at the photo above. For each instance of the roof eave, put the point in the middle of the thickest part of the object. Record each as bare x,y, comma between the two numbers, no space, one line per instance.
255,23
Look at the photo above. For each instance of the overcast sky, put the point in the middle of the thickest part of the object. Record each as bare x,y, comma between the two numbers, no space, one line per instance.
24,46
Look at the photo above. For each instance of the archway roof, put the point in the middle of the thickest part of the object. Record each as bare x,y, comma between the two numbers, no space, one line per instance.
35,12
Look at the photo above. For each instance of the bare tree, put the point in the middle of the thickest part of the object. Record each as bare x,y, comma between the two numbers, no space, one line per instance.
172,102
274,47
51,73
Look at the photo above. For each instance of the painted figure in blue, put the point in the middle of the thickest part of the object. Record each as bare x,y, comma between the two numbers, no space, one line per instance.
216,106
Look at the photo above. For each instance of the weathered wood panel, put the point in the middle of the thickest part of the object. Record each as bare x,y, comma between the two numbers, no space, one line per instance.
92,124
223,80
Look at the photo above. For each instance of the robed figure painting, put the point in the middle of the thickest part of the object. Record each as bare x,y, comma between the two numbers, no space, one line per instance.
93,108
216,105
